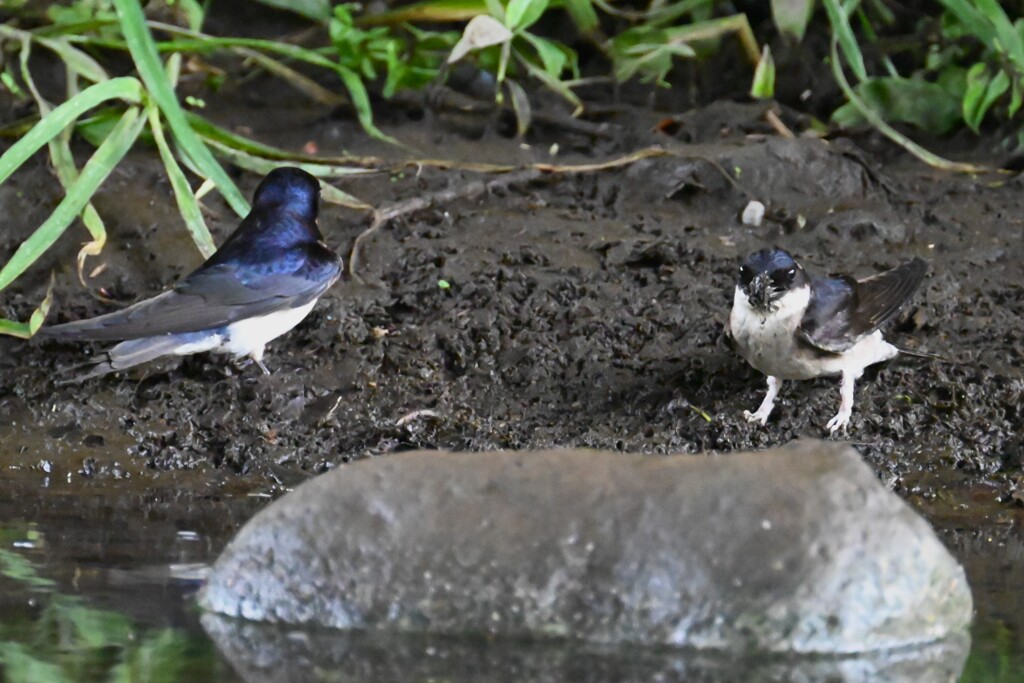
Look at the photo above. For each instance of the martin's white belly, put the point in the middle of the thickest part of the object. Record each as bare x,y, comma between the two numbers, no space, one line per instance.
768,342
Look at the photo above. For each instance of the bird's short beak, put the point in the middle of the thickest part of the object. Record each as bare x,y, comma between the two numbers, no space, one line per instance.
759,292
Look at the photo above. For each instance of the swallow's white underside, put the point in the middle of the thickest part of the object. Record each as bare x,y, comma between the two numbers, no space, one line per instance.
248,337
768,342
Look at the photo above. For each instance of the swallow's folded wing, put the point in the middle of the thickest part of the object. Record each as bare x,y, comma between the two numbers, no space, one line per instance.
207,299
843,311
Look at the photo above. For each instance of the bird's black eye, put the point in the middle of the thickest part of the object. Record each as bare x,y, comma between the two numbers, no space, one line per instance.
746,275
784,276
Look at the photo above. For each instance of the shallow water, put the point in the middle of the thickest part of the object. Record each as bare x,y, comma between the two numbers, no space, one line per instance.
100,585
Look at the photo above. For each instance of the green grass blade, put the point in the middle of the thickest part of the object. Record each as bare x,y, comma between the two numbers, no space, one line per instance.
38,316
553,83
77,196
67,173
260,165
350,79
332,195
143,52
361,103
1010,41
76,60
62,158
183,195
843,32
75,29
972,18
187,200
51,125
195,41
522,14
25,330
300,82
263,166
12,328
713,29
211,132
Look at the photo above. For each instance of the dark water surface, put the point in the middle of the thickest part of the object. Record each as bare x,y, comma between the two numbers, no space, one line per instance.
100,586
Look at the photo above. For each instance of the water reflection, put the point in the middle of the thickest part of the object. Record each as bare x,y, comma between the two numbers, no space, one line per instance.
47,636
264,653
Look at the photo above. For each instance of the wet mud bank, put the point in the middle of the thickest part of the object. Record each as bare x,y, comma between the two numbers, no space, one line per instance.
581,309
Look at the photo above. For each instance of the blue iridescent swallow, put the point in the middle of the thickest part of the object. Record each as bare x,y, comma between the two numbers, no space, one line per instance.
261,282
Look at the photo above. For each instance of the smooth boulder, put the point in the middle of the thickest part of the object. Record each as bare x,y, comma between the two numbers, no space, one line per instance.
797,549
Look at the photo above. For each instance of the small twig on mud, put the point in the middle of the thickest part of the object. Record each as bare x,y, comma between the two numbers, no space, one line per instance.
480,167
388,212
775,122
417,415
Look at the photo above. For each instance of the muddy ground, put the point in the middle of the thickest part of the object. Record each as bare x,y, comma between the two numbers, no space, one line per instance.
582,309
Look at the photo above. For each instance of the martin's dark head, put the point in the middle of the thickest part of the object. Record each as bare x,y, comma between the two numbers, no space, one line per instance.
291,189
767,275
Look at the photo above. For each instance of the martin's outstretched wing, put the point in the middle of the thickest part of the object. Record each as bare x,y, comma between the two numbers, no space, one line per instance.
842,311
209,298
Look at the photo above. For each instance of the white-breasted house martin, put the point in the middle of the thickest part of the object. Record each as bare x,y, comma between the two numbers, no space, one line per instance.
791,325
261,282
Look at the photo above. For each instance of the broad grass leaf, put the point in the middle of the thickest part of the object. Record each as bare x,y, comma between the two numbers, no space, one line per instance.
551,55
925,105
522,14
982,92
481,31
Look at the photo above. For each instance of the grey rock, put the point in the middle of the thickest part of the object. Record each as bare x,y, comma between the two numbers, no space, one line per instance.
798,549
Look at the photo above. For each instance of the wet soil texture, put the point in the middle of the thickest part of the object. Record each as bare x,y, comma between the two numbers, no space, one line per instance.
560,309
